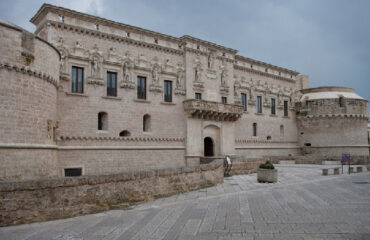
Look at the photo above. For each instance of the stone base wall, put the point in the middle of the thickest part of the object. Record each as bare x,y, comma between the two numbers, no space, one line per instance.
311,159
243,165
41,200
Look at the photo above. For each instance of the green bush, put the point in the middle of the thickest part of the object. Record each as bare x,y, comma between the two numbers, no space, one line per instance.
267,165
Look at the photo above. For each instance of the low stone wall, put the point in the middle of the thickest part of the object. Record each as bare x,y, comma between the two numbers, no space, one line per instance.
245,165
40,200
311,159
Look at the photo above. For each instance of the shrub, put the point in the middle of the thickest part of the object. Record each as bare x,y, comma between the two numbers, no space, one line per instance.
267,165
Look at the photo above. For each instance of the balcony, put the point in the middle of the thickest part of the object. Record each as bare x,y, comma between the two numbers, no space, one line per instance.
212,110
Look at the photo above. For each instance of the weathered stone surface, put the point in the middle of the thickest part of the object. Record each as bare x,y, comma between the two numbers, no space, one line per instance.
40,200
267,175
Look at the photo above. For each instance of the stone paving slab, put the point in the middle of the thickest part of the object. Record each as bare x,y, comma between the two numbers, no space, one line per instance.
303,204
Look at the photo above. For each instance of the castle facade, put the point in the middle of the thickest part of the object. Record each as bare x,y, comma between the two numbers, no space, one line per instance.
86,95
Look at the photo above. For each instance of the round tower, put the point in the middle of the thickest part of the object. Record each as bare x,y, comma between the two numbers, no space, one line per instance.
29,75
332,121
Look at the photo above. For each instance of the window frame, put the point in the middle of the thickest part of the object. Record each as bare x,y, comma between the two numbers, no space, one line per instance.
259,104
113,91
167,93
244,100
254,130
224,100
141,90
273,106
286,114
198,94
75,79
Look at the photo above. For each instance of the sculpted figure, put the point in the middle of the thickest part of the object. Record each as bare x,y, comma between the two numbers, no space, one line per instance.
94,66
126,74
223,77
155,76
179,80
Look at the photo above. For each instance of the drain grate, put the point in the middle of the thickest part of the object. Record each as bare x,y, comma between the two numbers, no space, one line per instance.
361,182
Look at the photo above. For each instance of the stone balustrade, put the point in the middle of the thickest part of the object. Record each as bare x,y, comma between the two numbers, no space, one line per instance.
212,110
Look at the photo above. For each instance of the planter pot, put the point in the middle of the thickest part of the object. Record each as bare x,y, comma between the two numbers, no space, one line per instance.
267,175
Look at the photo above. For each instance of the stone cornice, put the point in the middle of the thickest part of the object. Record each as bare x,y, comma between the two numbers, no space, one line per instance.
359,116
30,72
111,37
253,61
94,19
245,69
209,44
124,139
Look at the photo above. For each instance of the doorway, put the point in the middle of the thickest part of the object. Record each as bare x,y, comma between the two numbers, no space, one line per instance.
208,147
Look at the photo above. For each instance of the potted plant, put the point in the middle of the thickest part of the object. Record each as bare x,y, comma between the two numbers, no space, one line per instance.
267,173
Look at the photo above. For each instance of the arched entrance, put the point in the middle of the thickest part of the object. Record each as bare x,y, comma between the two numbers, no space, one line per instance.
208,147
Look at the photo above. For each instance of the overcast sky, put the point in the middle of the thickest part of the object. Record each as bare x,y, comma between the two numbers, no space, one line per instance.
329,40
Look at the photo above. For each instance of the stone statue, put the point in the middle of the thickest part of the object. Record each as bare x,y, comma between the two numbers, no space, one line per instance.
236,89
251,92
179,80
94,67
62,61
155,76
197,74
223,77
126,74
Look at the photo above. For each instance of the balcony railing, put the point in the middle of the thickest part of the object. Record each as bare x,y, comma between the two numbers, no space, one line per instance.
212,110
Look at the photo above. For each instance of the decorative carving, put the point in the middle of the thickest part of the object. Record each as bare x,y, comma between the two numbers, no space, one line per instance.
180,86
212,110
63,60
112,56
198,83
53,129
127,74
96,65
237,95
154,86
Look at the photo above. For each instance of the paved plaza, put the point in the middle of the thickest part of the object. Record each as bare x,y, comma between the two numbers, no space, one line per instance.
302,205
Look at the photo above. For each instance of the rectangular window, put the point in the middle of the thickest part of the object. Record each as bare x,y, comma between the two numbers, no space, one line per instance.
244,101
77,79
285,108
259,104
273,106
141,87
198,96
224,100
112,84
167,91
72,172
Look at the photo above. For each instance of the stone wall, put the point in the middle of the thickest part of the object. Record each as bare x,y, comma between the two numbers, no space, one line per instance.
41,200
242,165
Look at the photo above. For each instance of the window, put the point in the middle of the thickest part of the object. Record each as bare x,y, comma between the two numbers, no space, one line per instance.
224,100
268,138
244,101
128,34
282,131
124,133
72,172
198,96
96,26
146,123
112,84
156,40
141,87
254,129
266,69
102,121
61,18
285,108
259,104
167,91
77,79
273,106
341,102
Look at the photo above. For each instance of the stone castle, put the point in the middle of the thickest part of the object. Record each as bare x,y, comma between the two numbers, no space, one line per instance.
84,95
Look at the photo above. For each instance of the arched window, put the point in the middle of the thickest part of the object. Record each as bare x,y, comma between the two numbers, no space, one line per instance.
124,133
254,129
146,123
102,121
268,138
281,130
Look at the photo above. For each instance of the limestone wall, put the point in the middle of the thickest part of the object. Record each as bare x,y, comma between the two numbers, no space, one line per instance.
41,200
242,165
29,76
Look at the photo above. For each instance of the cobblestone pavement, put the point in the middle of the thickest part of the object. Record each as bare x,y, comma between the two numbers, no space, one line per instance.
302,205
